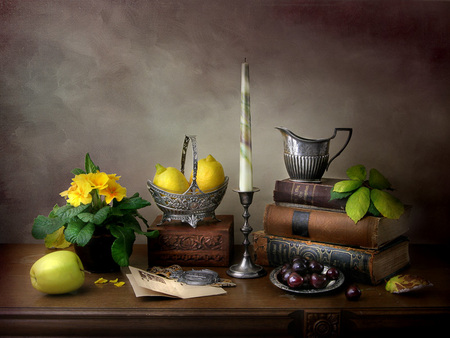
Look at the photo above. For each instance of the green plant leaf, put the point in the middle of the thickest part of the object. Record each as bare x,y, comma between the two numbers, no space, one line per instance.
377,180
79,232
135,202
86,217
42,226
358,204
67,212
388,205
357,172
78,171
56,240
151,234
122,247
89,165
374,211
101,215
334,195
347,185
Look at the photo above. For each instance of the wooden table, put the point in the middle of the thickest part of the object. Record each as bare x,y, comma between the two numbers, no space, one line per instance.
254,307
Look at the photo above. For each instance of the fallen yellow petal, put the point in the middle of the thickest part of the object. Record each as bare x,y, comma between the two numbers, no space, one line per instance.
119,284
114,280
101,280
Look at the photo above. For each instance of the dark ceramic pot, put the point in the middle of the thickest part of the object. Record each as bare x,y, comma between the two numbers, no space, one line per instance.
96,254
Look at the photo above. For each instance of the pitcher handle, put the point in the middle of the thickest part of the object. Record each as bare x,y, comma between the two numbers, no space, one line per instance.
350,131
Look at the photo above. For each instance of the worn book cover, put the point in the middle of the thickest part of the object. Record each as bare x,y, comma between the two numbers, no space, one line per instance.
211,243
361,265
332,227
308,193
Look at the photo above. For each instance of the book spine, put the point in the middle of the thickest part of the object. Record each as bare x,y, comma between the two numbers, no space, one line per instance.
307,194
274,251
320,225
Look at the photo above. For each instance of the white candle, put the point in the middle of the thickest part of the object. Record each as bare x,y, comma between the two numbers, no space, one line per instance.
245,159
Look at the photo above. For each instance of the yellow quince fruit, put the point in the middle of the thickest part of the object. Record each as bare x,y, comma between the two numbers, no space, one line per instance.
210,174
170,179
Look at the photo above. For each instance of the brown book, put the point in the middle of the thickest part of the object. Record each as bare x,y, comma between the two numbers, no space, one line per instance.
360,265
307,193
332,227
209,244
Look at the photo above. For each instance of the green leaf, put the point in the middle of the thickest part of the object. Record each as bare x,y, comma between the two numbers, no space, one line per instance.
79,232
151,234
101,215
89,165
67,212
374,211
347,186
388,205
358,204
78,171
52,213
357,172
42,226
377,180
86,217
122,247
56,240
135,202
334,195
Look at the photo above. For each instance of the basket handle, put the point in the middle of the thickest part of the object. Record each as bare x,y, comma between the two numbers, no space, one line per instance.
191,138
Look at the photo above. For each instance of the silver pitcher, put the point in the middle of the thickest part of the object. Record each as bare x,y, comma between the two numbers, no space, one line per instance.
306,159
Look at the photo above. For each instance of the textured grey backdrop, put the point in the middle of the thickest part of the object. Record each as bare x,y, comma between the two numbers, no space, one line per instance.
126,80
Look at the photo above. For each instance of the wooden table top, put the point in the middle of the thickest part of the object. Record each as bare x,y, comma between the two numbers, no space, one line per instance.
255,301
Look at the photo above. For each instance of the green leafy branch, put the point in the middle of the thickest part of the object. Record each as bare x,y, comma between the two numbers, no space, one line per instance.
367,196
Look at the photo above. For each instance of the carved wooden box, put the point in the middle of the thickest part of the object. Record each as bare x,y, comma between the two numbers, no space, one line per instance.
209,244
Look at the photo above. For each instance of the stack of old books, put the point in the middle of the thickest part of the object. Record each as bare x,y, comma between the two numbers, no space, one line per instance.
303,221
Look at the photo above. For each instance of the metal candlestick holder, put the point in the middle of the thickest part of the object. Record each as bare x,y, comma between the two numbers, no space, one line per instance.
246,268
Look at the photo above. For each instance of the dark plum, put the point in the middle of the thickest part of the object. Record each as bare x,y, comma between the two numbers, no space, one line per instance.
285,267
353,292
332,273
299,266
318,281
315,266
294,280
285,275
307,279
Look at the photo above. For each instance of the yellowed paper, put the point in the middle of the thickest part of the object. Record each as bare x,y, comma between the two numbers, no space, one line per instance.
163,286
143,292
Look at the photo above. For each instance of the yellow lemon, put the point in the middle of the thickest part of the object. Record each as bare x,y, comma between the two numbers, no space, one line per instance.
210,174
170,179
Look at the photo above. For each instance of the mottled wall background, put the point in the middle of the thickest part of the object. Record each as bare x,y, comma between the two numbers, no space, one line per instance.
126,80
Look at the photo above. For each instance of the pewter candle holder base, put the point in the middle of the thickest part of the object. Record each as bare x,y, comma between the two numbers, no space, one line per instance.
246,268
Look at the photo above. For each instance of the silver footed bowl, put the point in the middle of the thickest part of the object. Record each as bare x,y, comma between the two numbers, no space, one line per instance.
191,207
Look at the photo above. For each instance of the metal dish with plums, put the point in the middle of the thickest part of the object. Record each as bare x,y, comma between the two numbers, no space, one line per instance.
322,283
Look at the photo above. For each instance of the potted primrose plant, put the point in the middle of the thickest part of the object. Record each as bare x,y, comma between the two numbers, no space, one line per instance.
98,218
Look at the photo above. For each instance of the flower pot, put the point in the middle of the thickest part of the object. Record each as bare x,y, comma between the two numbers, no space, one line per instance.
96,254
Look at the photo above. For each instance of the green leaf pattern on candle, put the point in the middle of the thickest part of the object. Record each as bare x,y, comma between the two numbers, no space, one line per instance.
367,196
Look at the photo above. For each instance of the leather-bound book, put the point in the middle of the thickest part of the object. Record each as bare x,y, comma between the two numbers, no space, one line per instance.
370,266
308,193
328,226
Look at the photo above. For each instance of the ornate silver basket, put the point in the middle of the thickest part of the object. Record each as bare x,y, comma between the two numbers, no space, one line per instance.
193,205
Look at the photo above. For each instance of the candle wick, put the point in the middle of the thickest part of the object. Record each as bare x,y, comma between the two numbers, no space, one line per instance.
245,59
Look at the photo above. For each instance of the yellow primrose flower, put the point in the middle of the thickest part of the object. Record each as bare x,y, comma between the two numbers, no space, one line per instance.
72,188
113,190
114,177
80,195
98,180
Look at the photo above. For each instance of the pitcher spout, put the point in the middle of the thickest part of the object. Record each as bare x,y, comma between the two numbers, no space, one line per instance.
286,132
